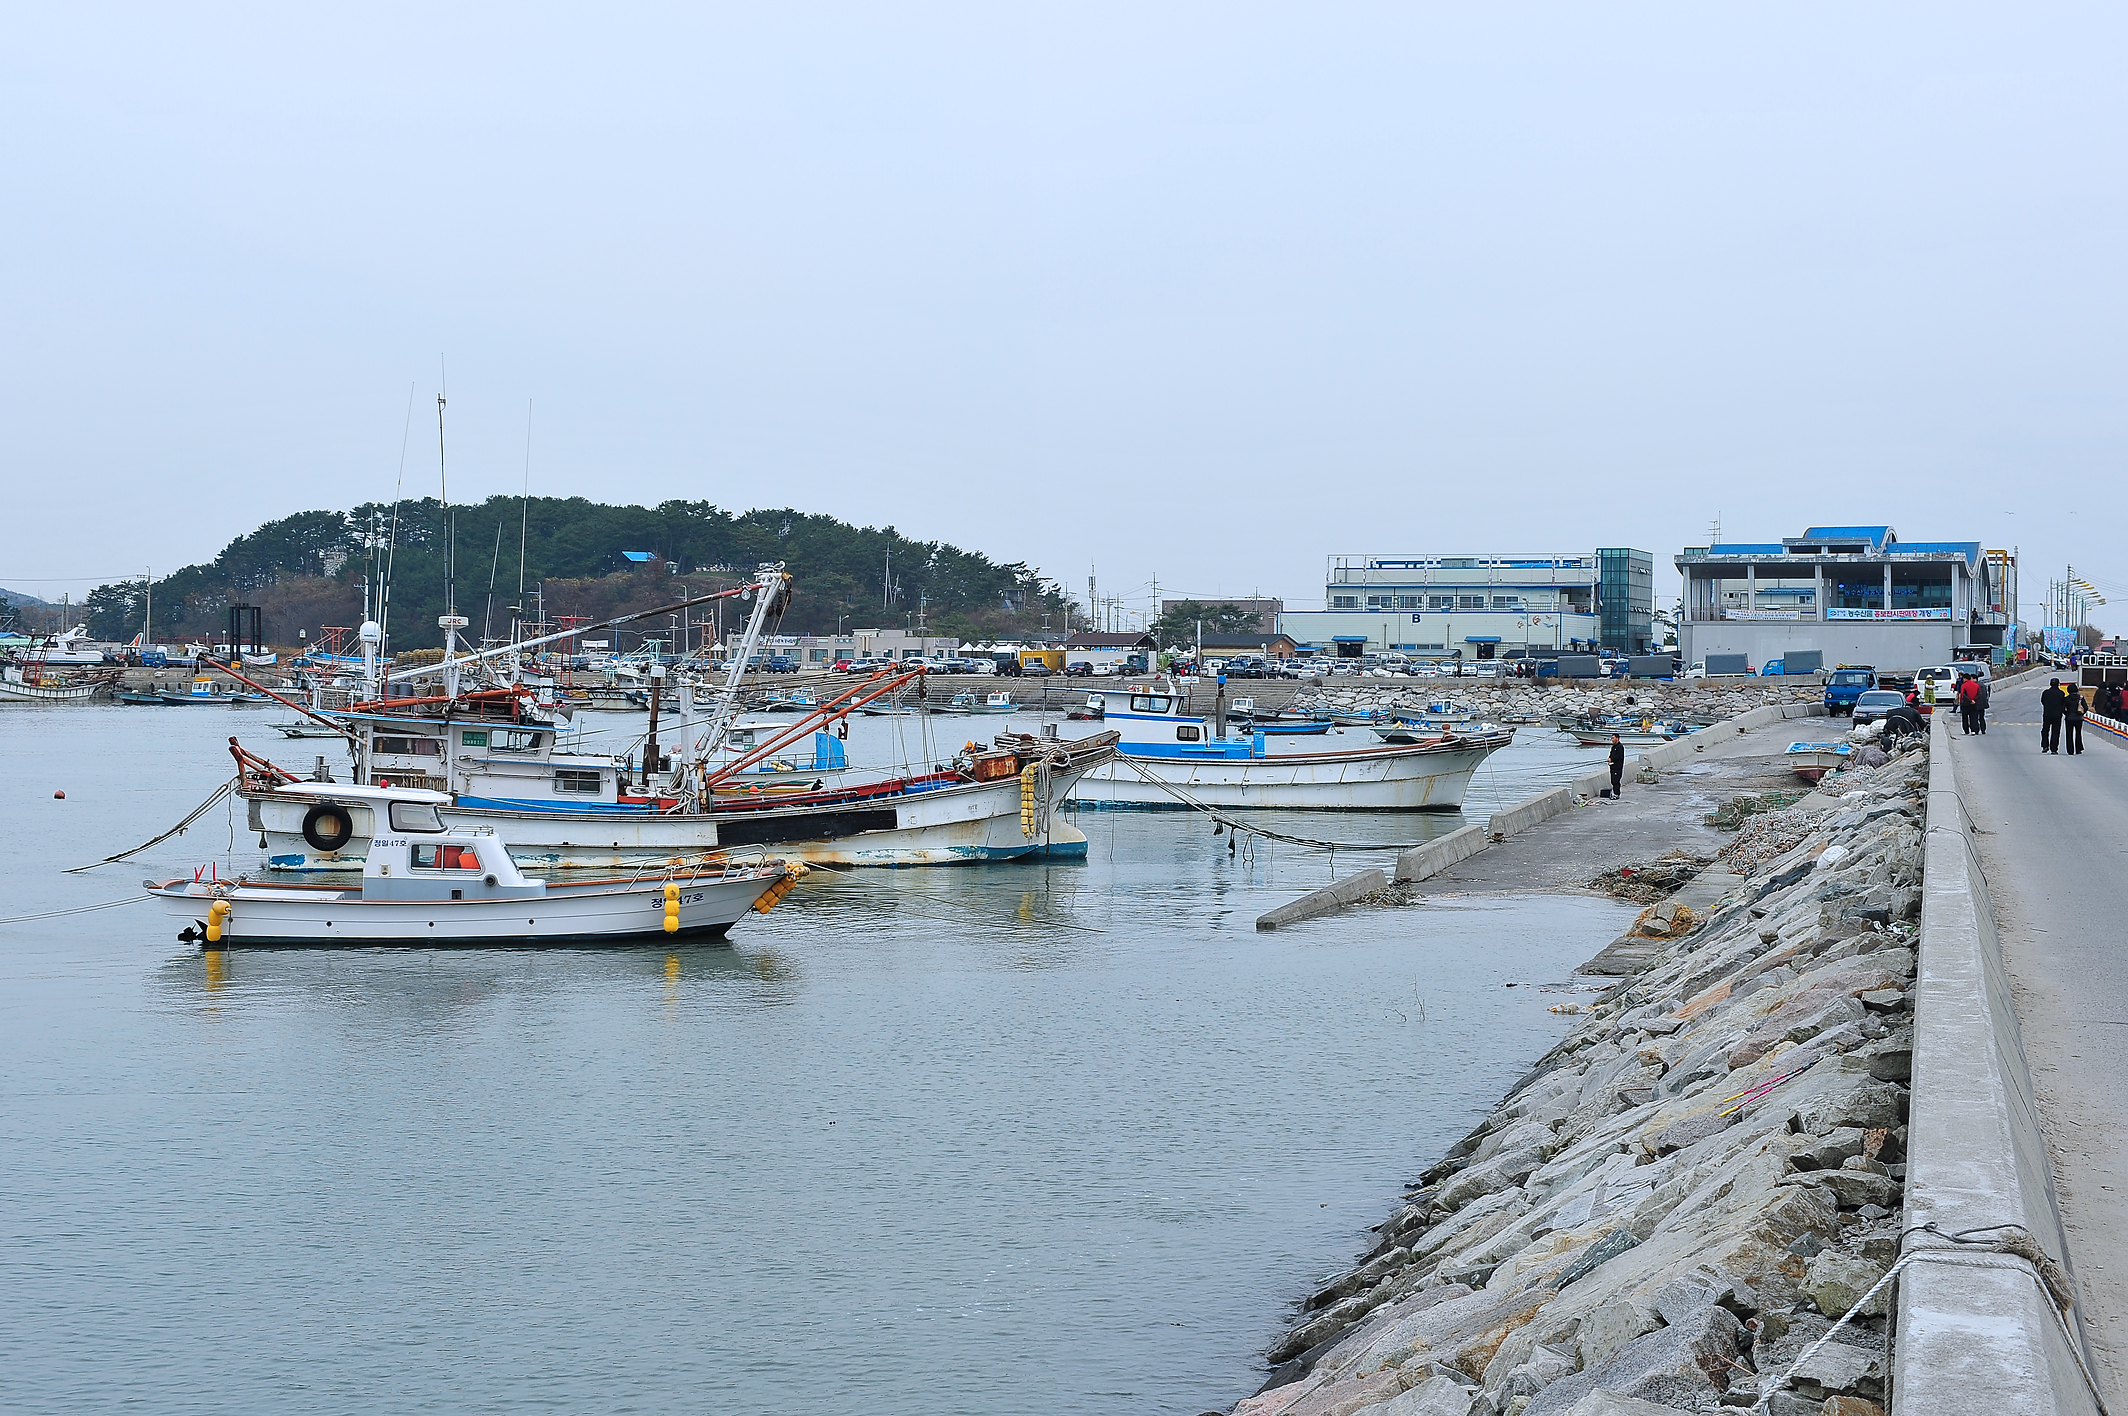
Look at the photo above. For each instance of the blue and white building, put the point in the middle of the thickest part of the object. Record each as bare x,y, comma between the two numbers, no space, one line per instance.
1481,606
1857,594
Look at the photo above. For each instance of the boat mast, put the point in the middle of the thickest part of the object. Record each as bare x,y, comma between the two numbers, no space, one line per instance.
450,620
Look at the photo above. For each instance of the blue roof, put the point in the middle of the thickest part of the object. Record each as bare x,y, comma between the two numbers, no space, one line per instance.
1875,535
1740,548
1969,549
639,555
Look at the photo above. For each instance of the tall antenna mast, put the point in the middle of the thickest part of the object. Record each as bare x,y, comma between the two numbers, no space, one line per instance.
450,621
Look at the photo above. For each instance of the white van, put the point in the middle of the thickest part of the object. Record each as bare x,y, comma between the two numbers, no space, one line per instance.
1942,679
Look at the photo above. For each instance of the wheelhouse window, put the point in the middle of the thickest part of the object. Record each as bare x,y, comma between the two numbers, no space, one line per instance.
415,816
445,857
1188,732
515,740
577,782
1150,703
409,746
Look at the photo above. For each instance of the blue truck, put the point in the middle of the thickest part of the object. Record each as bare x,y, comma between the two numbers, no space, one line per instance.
1846,684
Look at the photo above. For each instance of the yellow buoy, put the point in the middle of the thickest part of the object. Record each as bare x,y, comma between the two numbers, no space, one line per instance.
216,913
672,908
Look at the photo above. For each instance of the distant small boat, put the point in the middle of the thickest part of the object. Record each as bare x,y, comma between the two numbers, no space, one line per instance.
995,703
1641,734
143,700
305,729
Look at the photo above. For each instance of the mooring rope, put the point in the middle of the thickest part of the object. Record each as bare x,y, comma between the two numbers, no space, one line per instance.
1968,1252
178,830
78,909
1249,828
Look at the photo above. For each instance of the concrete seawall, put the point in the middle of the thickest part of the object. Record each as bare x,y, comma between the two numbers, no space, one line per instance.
1977,1332
1424,862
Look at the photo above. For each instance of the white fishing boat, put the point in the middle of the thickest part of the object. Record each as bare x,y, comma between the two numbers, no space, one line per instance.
1645,733
427,883
70,650
27,684
993,703
1167,757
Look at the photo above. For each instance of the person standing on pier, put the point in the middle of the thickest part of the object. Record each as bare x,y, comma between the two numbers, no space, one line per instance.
1618,763
1968,702
2051,705
2073,718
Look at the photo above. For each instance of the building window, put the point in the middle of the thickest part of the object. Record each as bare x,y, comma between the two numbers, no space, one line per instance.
1380,602
1344,602
1470,602
1407,602
1440,602
577,782
1507,602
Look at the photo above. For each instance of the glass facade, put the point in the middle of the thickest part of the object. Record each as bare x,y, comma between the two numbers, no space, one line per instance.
1625,599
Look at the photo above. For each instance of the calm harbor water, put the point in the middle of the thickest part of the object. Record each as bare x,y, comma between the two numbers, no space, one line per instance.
1045,1138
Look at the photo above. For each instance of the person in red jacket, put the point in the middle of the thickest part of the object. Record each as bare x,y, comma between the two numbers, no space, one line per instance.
1968,703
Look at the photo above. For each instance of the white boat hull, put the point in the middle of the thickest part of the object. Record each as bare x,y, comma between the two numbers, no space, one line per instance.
1368,779
11,692
977,821
622,913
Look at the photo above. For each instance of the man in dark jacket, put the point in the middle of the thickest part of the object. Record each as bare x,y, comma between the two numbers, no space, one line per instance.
2073,719
2051,705
1980,710
1969,703
1618,763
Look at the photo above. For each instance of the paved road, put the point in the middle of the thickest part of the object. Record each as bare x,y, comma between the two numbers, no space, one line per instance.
2057,834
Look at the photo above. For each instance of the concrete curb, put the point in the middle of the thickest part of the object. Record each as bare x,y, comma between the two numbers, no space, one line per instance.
1327,900
1542,807
1972,1339
1424,862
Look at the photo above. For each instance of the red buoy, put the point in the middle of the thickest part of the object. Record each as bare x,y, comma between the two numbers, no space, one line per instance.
58,796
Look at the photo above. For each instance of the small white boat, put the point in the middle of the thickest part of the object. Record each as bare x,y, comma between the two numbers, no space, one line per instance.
1646,733
995,703
426,884
1812,760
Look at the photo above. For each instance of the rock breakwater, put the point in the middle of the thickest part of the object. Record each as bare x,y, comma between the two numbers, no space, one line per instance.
1689,1190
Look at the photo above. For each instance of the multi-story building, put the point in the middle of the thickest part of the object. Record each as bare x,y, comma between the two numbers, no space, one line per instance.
1483,606
1856,594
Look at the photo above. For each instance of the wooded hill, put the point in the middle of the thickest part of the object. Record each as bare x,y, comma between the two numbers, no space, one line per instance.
305,571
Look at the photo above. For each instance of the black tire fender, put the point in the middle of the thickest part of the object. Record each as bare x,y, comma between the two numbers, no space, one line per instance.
328,826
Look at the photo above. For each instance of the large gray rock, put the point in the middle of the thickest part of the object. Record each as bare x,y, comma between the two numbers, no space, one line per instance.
1502,1172
1837,1283
1838,1369
1684,1366
1606,1331
1604,1403
1436,1396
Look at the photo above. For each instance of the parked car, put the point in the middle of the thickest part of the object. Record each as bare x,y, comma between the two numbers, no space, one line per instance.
781,664
1079,668
1035,668
1845,686
1872,705
1697,671
1942,678
1245,666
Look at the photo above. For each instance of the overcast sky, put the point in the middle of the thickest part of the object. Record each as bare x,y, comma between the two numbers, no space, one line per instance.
1196,293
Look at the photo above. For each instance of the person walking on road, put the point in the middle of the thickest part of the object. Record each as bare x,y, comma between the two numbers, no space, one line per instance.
2052,704
1618,763
1968,703
2073,719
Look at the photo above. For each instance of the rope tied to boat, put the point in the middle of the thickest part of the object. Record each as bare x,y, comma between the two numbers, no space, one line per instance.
1960,1248
1241,827
78,909
178,830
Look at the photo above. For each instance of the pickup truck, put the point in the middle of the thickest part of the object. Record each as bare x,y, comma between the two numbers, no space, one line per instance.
1844,686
